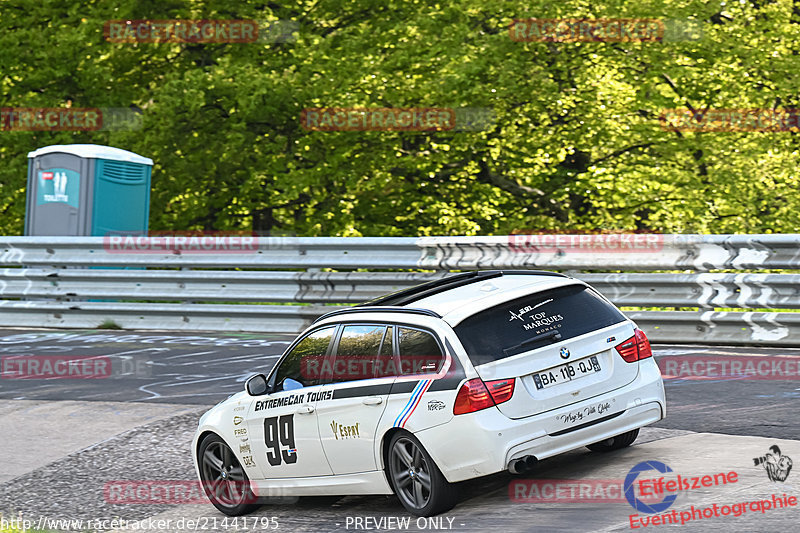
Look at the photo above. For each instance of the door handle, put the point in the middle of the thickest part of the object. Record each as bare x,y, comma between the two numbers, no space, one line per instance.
372,400
305,409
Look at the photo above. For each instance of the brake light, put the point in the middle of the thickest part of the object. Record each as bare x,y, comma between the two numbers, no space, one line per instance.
645,350
636,348
475,395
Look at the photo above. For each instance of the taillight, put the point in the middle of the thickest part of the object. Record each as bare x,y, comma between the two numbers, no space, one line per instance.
501,390
636,348
476,394
645,350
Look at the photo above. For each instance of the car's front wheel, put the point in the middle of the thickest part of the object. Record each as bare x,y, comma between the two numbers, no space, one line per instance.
415,478
615,443
224,480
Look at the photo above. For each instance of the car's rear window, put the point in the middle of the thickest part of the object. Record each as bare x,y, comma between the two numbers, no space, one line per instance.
533,321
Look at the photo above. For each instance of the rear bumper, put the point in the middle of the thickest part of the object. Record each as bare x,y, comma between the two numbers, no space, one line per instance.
491,440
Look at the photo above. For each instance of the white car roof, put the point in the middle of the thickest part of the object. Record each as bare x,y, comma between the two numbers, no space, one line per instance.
454,305
459,302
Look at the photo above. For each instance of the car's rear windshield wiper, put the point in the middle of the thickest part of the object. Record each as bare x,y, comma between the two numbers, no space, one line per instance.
556,335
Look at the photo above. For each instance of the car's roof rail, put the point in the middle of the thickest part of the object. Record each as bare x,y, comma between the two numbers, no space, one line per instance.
381,308
418,292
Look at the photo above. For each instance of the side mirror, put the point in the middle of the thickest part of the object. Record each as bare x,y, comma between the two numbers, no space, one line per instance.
256,385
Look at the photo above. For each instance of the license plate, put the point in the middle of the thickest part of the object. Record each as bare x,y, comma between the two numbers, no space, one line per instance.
566,372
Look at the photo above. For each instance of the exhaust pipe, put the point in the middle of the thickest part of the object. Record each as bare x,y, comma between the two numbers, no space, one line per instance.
522,465
517,466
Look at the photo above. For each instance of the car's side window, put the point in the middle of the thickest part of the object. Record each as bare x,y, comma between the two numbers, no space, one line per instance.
356,352
297,369
419,352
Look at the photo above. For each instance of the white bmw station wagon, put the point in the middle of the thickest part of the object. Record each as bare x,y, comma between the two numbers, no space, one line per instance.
411,393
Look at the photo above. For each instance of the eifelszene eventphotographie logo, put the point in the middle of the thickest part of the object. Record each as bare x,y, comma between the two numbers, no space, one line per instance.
630,483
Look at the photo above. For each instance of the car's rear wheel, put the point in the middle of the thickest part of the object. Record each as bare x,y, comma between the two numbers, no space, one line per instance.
415,478
615,443
224,480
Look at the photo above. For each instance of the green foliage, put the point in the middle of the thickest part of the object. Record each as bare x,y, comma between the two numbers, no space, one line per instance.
576,144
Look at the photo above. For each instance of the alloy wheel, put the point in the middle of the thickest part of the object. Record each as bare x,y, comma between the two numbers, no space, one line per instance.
411,473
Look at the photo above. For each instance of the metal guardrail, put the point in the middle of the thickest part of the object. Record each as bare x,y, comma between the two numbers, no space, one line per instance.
68,282
707,291
159,316
642,252
709,327
205,285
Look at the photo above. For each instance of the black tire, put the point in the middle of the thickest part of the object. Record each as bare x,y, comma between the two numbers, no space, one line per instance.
615,443
224,481
415,478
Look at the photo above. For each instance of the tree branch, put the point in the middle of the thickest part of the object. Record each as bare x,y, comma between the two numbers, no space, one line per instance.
622,151
505,184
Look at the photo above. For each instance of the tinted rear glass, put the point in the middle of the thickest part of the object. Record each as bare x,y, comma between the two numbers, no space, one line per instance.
502,331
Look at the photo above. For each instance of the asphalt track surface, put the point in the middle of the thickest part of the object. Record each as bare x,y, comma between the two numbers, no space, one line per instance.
65,439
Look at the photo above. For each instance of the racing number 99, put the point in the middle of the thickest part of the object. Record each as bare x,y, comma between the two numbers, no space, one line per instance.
278,432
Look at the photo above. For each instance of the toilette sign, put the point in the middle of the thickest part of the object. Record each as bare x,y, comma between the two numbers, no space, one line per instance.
58,185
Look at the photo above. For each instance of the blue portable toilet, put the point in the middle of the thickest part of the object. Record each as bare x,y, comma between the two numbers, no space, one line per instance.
87,189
